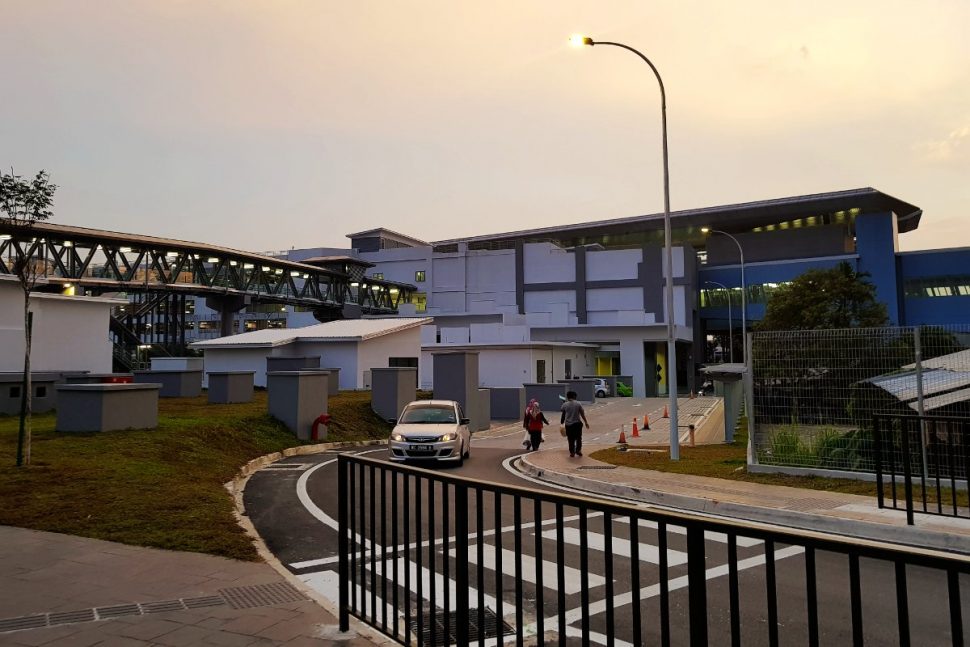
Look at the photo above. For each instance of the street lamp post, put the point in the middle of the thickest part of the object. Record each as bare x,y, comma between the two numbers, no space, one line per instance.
744,290
580,41
730,317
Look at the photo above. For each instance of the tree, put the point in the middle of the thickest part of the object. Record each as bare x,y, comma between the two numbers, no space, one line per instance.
838,297
25,202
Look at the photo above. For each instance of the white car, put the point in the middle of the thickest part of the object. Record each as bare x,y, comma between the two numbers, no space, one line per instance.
430,430
601,388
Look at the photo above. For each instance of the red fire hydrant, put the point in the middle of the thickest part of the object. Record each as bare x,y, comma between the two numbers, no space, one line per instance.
322,419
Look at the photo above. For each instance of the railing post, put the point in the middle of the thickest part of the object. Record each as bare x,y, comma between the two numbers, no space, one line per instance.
697,586
877,442
461,564
907,473
342,530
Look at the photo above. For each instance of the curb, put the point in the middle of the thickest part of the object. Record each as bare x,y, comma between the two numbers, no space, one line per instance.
906,536
237,486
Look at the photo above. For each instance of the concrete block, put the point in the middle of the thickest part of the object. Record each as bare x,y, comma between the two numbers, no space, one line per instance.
175,384
391,389
297,398
226,387
107,407
43,396
547,395
176,364
334,386
507,403
483,412
585,389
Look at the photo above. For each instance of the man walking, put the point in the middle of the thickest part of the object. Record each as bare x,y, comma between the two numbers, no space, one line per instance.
573,417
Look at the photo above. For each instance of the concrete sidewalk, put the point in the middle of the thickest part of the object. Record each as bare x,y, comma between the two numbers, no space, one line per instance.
842,514
64,590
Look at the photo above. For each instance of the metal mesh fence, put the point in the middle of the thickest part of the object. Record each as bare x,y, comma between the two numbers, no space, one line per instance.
815,391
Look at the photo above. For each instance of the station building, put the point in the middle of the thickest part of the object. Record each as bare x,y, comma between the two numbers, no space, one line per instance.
601,285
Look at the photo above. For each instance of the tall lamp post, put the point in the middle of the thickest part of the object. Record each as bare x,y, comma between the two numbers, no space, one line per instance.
580,41
730,317
744,291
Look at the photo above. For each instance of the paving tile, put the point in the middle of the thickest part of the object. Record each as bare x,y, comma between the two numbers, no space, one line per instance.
147,628
233,639
250,624
185,636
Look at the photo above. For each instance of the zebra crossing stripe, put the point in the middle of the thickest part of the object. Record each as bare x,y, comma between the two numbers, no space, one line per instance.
621,547
709,535
573,576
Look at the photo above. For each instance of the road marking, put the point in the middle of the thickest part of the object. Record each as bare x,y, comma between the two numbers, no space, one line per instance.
573,576
621,547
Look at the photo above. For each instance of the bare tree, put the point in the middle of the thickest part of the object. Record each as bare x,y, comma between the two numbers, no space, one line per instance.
23,203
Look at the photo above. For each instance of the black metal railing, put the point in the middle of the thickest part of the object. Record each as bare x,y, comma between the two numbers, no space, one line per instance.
428,558
930,451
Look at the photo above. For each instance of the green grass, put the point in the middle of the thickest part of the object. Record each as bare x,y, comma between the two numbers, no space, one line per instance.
729,461
161,487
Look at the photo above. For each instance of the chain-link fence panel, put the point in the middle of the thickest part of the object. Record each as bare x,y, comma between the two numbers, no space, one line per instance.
815,391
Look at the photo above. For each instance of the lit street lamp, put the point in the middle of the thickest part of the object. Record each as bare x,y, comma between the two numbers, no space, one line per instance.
744,291
579,41
730,317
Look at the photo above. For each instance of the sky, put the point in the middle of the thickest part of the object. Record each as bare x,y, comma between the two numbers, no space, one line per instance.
266,125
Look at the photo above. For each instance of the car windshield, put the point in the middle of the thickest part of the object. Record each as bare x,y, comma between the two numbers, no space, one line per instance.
428,415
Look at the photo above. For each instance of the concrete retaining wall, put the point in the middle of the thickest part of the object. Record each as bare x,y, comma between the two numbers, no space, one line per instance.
391,389
107,407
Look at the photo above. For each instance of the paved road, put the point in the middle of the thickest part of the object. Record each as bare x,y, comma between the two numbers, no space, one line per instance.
293,506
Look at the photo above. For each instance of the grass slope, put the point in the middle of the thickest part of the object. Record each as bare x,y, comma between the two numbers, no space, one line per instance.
161,487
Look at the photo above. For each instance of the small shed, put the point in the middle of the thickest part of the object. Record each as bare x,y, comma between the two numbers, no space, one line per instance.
353,345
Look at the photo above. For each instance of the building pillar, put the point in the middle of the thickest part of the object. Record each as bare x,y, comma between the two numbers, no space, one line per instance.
632,363
227,305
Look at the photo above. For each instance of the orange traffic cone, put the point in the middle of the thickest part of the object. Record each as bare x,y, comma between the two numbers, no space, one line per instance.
636,432
622,440
666,415
646,423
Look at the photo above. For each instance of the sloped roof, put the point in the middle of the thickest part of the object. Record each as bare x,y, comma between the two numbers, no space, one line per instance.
332,331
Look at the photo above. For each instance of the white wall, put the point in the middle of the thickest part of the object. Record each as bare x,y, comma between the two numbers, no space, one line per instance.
69,333
547,263
505,367
342,355
374,353
237,359
582,361
612,264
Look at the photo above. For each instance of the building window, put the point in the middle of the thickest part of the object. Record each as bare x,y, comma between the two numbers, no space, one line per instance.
420,301
419,276
15,392
190,306
41,392
276,323
402,362
378,276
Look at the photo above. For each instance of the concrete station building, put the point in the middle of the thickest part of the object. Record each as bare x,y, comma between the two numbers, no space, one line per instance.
591,295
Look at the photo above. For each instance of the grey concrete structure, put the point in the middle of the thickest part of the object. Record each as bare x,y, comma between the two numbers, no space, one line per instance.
297,398
98,378
456,378
507,403
333,387
292,363
177,364
484,410
107,407
391,389
729,382
585,389
227,387
175,383
548,396
43,396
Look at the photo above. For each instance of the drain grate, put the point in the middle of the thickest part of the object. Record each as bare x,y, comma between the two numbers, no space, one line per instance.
23,622
162,607
70,617
261,595
443,637
118,611
203,602
596,467
287,467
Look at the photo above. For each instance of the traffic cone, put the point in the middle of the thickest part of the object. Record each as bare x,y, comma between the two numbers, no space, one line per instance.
666,415
622,440
636,432
646,423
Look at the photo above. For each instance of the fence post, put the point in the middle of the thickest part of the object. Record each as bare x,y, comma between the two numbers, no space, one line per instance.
461,564
877,441
342,530
918,353
696,586
908,473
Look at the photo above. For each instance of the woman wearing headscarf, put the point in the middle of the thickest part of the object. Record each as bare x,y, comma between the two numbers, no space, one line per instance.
533,422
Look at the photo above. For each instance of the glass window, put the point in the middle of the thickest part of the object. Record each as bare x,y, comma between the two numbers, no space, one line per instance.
419,276
428,415
378,275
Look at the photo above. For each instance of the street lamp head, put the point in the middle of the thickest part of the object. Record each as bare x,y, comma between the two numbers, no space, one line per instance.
578,40
705,230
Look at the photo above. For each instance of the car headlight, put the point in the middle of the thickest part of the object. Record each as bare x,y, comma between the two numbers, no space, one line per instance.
446,437
397,437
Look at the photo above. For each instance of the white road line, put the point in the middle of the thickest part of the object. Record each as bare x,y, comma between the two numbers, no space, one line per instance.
709,535
596,541
573,577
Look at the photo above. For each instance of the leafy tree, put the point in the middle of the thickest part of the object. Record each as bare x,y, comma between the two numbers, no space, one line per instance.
838,297
23,203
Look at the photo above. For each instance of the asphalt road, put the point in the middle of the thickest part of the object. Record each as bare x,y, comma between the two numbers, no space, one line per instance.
293,506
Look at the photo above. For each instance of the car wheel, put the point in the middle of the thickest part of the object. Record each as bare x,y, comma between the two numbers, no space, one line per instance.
601,394
468,450
461,455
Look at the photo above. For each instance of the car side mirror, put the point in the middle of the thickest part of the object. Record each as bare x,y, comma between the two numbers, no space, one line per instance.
392,421
465,421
